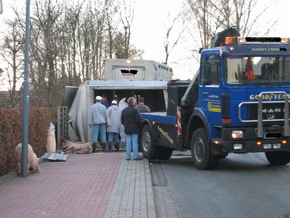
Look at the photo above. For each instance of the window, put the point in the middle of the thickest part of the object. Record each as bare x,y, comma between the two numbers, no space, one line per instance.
210,70
257,70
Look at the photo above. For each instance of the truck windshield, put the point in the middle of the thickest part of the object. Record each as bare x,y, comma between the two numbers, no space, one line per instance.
257,70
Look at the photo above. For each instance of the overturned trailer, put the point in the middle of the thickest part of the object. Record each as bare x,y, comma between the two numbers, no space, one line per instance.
83,97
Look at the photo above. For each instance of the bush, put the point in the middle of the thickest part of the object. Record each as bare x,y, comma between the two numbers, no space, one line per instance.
11,133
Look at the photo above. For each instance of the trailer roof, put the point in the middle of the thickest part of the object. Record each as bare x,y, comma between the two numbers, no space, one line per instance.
125,84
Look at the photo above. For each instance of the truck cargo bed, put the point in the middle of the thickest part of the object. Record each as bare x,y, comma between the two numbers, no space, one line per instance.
159,117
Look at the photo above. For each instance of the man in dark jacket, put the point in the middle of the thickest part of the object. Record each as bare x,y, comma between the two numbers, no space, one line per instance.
141,107
131,120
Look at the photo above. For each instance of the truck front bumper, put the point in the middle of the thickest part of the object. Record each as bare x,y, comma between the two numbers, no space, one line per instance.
272,140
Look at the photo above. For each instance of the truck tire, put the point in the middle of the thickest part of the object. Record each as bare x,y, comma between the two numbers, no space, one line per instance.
164,153
278,158
200,151
148,148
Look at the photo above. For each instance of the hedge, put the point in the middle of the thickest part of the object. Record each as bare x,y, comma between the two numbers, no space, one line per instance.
11,133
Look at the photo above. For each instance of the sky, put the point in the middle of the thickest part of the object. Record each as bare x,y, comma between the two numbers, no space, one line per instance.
151,17
150,22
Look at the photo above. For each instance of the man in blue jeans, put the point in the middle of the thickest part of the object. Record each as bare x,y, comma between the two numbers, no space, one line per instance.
131,120
100,120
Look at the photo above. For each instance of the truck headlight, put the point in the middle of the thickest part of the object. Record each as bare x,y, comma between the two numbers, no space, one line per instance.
237,134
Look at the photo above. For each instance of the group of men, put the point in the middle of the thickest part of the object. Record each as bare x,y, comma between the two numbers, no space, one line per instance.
111,119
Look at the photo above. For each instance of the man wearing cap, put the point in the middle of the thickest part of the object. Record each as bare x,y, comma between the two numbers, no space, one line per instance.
100,120
113,130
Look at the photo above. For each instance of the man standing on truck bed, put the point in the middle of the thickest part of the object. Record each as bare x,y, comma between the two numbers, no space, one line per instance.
131,120
141,107
100,120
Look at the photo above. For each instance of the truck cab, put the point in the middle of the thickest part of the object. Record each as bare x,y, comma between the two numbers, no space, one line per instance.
238,102
243,105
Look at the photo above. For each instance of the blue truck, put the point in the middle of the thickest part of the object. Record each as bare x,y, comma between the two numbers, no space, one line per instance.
238,102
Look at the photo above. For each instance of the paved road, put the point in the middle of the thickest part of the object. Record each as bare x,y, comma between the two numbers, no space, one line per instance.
242,186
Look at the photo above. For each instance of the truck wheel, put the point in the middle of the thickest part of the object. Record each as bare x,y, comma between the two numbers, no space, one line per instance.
200,151
165,153
278,158
148,148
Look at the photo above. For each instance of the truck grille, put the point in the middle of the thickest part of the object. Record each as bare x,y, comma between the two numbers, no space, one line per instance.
271,111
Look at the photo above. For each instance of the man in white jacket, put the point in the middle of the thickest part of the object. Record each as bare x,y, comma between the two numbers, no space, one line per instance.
114,113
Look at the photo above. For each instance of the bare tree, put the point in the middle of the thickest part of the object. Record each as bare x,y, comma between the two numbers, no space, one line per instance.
45,22
241,14
168,46
111,23
12,54
68,44
127,16
201,12
1,7
71,24
98,38
121,52
210,15
204,18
